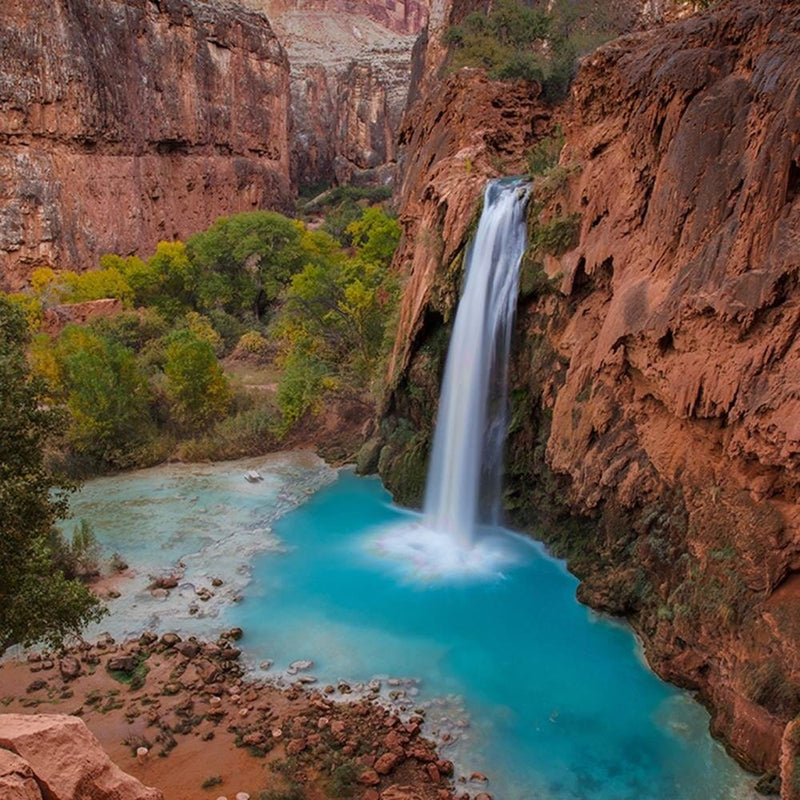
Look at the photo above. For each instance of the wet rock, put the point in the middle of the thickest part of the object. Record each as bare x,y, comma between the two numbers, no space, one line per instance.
187,649
298,666
235,634
170,639
216,582
148,638
433,772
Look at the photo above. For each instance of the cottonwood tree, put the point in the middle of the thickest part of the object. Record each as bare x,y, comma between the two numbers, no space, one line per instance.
37,601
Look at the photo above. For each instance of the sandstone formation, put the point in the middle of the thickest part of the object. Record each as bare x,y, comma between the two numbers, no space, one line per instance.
654,437
351,70
17,781
124,122
56,757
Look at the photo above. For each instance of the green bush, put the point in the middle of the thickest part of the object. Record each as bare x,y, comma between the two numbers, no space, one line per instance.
543,156
557,236
78,557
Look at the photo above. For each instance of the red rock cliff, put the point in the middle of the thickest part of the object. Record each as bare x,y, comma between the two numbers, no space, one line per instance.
655,395
351,65
123,122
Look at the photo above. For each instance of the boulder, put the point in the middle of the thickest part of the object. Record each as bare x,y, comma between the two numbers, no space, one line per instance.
67,760
387,762
122,663
17,781
70,668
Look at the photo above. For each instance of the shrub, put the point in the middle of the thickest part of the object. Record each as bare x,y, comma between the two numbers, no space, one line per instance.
544,154
78,557
252,343
557,236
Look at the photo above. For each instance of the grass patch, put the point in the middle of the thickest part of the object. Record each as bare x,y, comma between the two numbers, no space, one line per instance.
211,781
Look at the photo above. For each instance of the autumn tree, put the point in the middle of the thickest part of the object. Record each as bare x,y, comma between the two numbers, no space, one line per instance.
197,388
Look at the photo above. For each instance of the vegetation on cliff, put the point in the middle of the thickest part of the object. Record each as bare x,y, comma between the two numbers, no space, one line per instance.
533,41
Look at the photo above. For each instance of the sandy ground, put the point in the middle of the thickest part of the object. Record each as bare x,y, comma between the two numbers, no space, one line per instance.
188,702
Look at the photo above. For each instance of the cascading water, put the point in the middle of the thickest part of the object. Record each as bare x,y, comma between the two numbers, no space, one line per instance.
465,475
463,492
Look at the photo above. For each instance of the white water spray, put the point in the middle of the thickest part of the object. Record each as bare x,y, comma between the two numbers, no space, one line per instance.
464,486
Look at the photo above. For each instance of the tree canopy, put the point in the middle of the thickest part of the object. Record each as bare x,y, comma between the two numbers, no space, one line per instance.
37,601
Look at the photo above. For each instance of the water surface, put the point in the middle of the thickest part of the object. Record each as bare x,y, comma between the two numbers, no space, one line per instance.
549,699
558,701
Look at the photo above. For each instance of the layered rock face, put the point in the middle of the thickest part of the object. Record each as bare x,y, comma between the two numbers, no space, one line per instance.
655,436
351,69
124,122
55,757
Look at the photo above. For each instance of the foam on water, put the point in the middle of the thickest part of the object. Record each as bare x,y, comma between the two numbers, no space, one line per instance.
426,554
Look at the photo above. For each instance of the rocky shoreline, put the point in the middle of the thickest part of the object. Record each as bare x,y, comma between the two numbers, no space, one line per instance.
182,715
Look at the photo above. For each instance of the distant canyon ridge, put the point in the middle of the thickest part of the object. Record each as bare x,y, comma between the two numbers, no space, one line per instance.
126,122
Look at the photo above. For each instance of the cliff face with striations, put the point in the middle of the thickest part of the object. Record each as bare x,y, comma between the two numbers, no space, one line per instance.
351,70
123,122
655,404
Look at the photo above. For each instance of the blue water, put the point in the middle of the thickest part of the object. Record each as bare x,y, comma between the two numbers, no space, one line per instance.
544,696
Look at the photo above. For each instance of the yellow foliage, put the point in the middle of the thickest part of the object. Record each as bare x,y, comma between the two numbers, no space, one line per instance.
31,307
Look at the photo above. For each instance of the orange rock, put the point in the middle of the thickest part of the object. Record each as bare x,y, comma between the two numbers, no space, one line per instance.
17,781
67,759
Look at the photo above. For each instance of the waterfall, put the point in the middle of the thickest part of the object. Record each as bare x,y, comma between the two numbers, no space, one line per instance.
464,487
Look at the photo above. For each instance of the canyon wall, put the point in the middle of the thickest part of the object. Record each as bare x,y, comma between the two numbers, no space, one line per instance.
655,424
124,122
351,68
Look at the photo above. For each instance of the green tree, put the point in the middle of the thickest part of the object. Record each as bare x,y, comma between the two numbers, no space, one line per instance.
107,396
197,388
376,236
246,260
37,602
